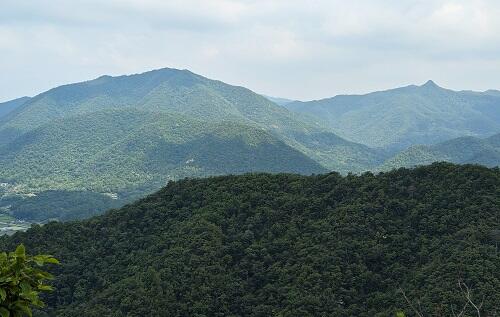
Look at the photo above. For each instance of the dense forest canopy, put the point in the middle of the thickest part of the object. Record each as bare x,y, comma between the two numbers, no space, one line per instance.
284,245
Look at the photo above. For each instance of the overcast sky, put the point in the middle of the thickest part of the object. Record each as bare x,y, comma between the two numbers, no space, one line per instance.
295,49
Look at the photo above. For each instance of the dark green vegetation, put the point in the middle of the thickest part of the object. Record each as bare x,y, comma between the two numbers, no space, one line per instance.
22,281
132,134
57,204
119,150
461,150
398,118
284,245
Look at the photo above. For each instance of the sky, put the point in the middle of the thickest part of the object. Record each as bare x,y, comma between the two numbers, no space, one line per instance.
294,49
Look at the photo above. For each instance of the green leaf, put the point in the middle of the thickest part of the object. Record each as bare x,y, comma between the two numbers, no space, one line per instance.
25,287
21,282
38,260
21,251
42,259
38,303
30,296
45,288
4,312
23,307
51,260
44,275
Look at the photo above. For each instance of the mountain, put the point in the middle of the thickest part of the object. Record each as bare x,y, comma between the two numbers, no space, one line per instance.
494,140
493,92
164,90
128,135
283,245
141,149
460,150
182,92
278,100
398,118
9,106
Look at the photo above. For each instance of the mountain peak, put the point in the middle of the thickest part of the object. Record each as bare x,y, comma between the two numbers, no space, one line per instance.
430,84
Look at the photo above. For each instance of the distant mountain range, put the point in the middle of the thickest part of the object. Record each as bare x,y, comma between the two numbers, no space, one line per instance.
132,134
460,150
128,135
279,101
195,97
398,118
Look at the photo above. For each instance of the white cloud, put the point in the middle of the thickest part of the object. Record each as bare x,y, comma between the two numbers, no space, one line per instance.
295,48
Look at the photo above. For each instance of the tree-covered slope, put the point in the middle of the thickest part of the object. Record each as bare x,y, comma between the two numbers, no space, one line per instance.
402,117
9,106
182,92
120,150
166,89
460,150
284,245
59,205
130,134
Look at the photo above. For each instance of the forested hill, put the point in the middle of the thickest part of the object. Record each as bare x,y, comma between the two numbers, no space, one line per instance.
284,245
460,151
127,136
398,118
9,106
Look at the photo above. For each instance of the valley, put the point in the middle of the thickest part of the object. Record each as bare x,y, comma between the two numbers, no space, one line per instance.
10,225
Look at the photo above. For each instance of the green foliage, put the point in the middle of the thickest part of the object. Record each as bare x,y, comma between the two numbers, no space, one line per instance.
21,282
284,245
127,149
59,205
461,150
399,118
131,134
193,96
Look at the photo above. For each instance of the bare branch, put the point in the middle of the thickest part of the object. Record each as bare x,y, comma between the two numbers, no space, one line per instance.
462,312
410,304
468,296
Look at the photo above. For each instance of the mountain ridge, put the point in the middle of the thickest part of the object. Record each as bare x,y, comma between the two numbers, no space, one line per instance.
116,127
11,105
261,245
128,135
171,90
401,117
463,150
